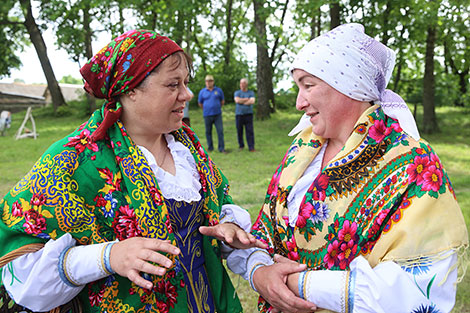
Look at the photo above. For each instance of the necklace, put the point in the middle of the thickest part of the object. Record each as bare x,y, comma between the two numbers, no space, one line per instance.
164,158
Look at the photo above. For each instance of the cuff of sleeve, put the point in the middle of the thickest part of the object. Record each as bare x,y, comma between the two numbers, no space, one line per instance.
83,264
255,260
332,290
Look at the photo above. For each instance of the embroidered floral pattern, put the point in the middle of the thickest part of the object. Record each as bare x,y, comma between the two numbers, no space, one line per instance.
82,142
375,182
125,224
100,189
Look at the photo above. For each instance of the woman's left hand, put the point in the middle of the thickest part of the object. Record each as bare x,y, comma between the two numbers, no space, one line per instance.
232,235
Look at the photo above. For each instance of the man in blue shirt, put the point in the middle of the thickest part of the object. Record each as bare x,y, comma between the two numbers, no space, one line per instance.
244,100
211,99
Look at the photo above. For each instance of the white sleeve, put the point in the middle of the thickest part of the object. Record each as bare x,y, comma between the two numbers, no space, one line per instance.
231,213
235,214
55,274
242,261
386,288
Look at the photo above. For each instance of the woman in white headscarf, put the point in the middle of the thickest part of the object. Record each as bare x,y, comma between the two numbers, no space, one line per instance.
359,216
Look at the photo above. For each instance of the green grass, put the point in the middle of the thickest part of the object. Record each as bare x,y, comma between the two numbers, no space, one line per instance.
250,172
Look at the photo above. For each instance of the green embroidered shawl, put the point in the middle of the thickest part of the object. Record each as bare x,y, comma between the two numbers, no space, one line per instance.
100,191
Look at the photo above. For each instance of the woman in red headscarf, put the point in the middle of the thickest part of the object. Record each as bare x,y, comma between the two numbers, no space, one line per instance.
122,203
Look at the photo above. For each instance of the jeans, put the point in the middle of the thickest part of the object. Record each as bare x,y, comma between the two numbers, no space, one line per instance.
217,121
245,120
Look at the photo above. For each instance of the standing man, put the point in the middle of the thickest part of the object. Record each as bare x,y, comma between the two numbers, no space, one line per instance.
244,100
211,99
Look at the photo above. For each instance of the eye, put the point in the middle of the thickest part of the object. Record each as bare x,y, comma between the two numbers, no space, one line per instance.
309,85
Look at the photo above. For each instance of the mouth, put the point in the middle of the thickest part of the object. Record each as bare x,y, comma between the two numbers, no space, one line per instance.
178,110
313,114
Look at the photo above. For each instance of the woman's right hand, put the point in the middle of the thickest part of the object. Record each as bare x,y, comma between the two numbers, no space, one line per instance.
271,283
133,255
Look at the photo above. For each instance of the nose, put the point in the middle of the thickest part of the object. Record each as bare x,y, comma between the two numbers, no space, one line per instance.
301,102
185,95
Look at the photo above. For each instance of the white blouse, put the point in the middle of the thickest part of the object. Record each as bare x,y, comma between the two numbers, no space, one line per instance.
34,280
388,287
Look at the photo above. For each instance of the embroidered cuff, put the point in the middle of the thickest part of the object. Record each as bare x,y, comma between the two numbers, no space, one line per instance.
106,253
252,272
349,292
80,265
326,289
64,273
302,284
256,259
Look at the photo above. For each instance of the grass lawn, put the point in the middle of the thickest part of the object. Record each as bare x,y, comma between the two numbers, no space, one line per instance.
250,172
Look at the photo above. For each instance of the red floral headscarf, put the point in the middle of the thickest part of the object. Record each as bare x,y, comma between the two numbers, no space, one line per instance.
120,67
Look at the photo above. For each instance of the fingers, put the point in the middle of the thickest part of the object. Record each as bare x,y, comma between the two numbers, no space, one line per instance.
270,281
233,235
134,255
161,246
282,259
260,244
287,301
208,231
135,277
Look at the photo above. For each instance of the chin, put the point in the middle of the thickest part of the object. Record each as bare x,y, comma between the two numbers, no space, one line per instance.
178,125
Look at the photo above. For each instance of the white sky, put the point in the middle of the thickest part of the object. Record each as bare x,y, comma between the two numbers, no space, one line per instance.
31,71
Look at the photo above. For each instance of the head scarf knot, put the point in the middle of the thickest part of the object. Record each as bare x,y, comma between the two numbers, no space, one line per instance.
120,67
359,67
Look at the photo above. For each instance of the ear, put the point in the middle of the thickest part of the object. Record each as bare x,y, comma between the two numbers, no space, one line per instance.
127,97
131,94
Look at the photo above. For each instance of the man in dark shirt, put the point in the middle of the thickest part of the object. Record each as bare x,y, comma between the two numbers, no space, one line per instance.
244,100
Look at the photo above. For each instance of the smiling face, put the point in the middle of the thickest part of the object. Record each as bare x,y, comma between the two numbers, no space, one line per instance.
332,114
156,106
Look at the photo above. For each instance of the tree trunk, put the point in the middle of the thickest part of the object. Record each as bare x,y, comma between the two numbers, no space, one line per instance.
462,74
315,24
463,81
319,22
41,50
264,75
399,62
429,114
385,35
335,19
88,53
228,30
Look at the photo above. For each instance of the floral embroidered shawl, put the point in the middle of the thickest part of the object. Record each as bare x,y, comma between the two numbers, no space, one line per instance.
105,190
384,196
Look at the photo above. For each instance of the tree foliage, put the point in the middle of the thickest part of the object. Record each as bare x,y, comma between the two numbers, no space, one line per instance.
257,39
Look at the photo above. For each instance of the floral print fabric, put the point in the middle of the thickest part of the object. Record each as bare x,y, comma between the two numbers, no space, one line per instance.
384,196
105,190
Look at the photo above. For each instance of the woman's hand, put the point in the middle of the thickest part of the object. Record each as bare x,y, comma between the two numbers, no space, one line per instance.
271,283
233,235
293,278
131,256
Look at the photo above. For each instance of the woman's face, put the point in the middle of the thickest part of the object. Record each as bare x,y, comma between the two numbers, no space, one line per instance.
156,106
332,114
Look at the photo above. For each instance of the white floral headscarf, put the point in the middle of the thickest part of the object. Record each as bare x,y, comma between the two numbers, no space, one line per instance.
359,67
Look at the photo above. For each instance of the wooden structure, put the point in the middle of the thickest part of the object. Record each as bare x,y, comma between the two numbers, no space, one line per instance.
22,131
17,102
